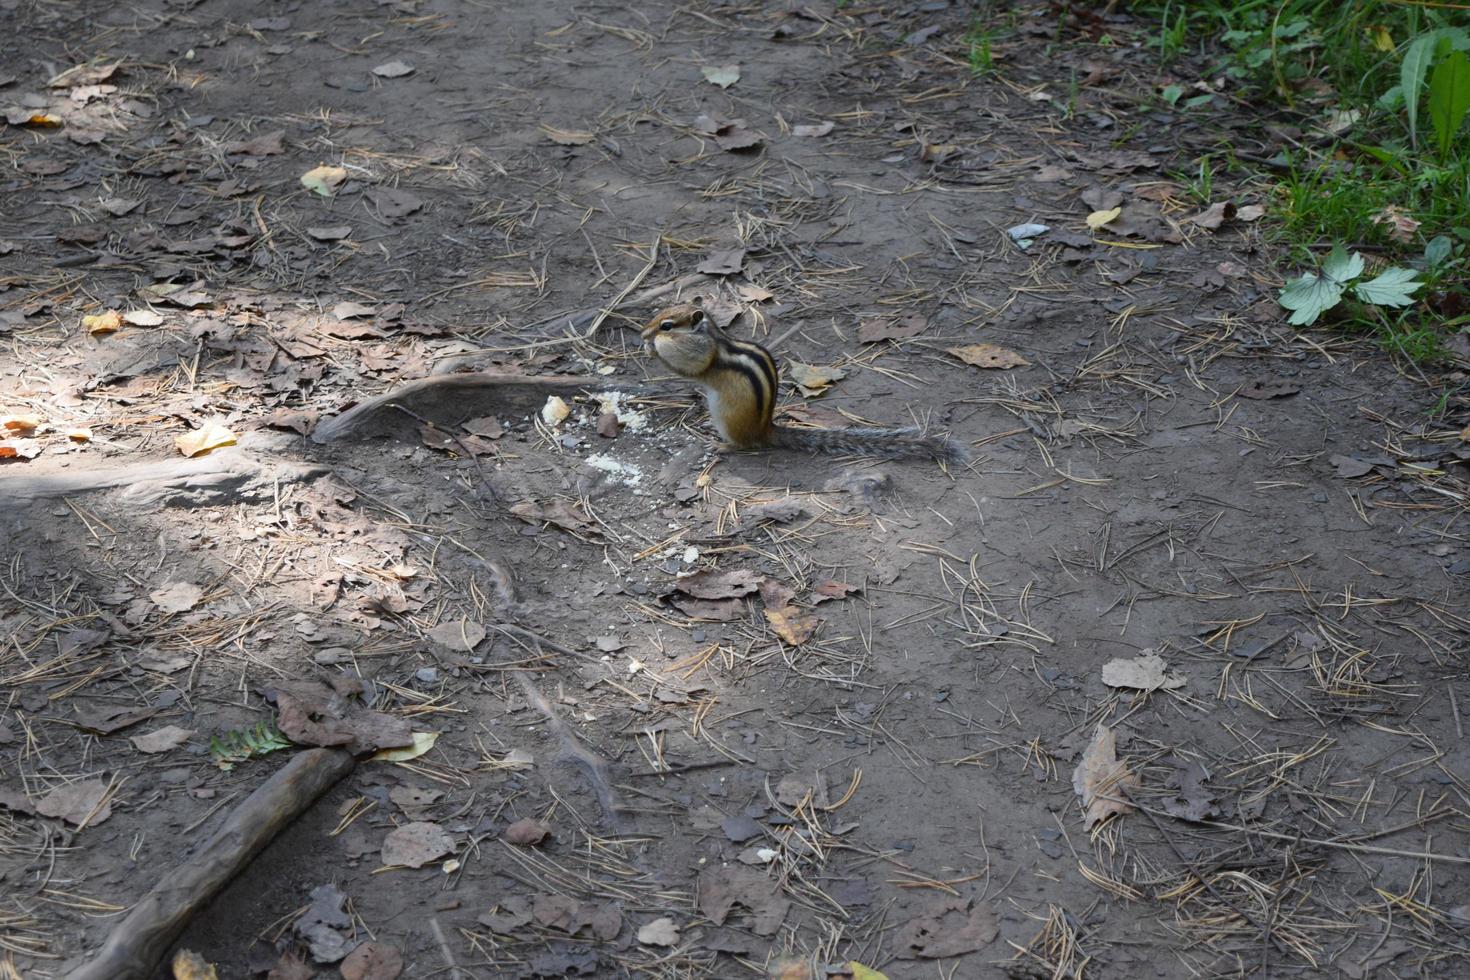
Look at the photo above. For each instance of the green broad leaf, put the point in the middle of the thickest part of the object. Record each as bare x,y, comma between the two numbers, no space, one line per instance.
1171,93
1342,265
1309,297
1449,98
1394,287
1392,100
1438,251
1411,76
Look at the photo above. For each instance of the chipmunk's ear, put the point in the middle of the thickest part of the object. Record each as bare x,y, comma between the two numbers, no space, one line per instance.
697,317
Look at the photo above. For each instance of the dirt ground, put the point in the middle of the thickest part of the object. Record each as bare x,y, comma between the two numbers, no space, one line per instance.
874,728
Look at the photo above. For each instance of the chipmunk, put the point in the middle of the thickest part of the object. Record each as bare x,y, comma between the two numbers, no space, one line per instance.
739,381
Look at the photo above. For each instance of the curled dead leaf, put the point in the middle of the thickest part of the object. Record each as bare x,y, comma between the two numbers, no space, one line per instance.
1101,780
1097,219
210,435
989,356
323,180
102,323
813,379
793,626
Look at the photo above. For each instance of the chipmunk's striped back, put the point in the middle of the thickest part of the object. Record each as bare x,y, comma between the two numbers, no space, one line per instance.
740,382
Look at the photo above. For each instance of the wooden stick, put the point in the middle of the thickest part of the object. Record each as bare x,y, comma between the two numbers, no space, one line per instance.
137,943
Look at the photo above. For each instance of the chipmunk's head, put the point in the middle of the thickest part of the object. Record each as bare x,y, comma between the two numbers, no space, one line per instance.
682,337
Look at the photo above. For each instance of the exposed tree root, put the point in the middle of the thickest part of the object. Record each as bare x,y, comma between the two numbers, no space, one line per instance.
137,943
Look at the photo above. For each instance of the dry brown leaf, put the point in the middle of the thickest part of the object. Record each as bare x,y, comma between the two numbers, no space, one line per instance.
19,425
462,635
77,803
1101,780
1401,227
20,449
416,844
815,129
526,832
210,435
323,180
1145,672
373,961
143,318
1215,215
813,379
177,597
659,932
166,738
890,328
793,626
101,323
989,356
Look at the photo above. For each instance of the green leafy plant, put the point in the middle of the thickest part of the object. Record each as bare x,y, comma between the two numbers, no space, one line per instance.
1314,293
1449,85
247,743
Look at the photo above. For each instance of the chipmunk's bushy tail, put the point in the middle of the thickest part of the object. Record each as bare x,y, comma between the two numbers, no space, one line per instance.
877,443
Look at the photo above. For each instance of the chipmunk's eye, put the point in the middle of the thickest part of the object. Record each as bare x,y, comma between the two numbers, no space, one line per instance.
666,325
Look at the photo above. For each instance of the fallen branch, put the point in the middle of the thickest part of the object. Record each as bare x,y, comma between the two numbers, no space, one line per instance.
228,470
136,944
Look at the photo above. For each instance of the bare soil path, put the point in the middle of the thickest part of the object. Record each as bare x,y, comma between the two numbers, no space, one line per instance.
860,731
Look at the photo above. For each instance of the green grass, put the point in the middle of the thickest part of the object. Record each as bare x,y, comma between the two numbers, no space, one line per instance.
1312,58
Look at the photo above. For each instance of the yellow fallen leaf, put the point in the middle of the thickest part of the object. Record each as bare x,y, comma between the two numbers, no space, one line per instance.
79,435
860,972
19,425
422,742
792,625
100,323
1382,40
323,180
989,356
1097,219
189,965
210,435
1465,434
813,379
